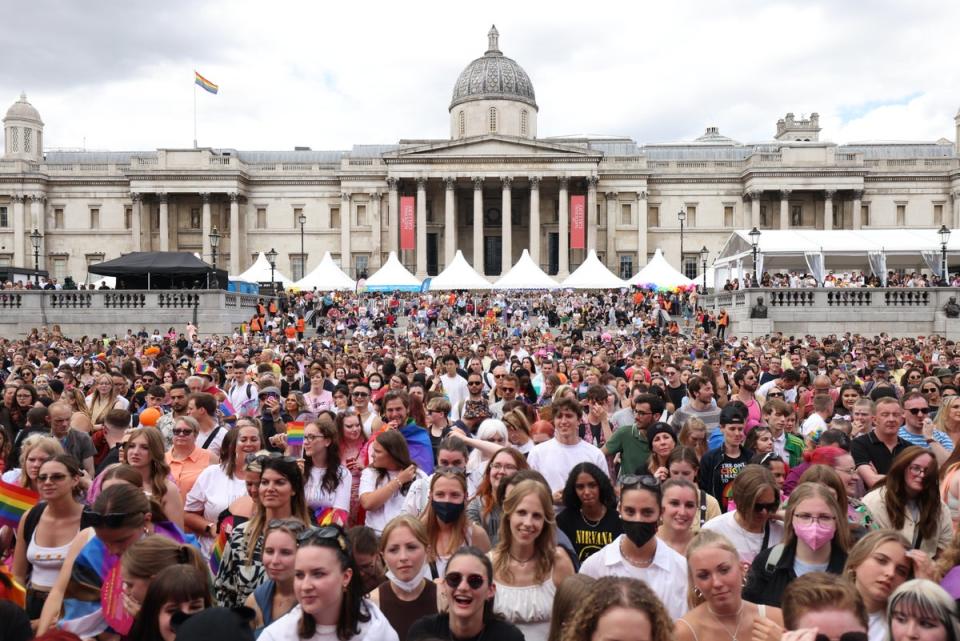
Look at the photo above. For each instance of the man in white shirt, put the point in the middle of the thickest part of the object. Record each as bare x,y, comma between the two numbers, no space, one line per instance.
454,385
816,423
556,457
787,382
203,408
243,395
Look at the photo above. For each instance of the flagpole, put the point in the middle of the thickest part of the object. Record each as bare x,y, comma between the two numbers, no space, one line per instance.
194,115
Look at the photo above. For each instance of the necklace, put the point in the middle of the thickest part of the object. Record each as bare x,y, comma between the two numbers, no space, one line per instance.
590,523
723,625
643,563
522,563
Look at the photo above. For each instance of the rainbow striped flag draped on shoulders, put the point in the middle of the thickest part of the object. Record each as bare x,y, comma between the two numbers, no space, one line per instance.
206,84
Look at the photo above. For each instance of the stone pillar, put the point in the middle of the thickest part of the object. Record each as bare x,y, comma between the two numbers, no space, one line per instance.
19,237
592,212
136,221
857,209
612,202
506,220
393,223
205,226
164,222
640,207
235,233
535,219
449,220
784,209
828,209
36,222
375,230
564,229
755,209
956,208
346,221
421,228
478,224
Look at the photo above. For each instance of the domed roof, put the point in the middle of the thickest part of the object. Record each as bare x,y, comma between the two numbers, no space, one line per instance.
23,110
493,77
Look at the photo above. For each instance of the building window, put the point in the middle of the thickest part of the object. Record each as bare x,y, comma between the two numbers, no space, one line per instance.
523,122
461,124
361,215
6,260
58,218
938,215
796,216
297,265
493,120
625,218
14,139
334,218
360,264
728,216
865,214
4,217
691,216
626,266
690,266
127,218
901,215
195,218
27,139
261,217
653,215
93,259
297,212
59,268
94,218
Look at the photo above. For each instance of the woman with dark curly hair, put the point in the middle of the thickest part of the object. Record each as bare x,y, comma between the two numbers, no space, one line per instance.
620,608
590,518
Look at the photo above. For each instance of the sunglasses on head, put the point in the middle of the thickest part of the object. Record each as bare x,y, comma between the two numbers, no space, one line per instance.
272,456
112,520
455,579
639,480
327,533
846,636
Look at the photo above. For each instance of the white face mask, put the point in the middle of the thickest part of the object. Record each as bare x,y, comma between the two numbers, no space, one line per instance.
374,385
413,584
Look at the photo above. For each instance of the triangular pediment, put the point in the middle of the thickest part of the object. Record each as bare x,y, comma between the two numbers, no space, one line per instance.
493,146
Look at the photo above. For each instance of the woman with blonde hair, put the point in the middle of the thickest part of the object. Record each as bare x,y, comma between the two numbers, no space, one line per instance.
527,563
693,434
570,594
144,452
275,597
445,518
618,608
36,450
948,417
103,399
146,558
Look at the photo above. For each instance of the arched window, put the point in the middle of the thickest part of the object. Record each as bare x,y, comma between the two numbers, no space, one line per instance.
523,122
493,119
27,139
14,139
462,125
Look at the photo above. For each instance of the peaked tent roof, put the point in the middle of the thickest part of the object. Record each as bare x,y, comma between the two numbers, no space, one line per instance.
259,272
525,275
459,275
659,273
136,263
326,277
592,274
393,276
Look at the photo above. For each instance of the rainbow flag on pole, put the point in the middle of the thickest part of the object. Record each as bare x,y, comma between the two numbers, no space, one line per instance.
295,434
15,501
206,84
220,544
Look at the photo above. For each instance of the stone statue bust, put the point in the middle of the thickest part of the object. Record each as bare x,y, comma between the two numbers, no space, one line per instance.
759,310
952,309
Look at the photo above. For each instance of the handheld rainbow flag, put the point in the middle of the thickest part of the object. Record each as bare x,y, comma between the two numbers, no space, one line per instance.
220,544
206,84
295,433
330,516
15,501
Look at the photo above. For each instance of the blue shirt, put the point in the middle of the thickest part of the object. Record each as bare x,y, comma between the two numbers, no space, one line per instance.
920,441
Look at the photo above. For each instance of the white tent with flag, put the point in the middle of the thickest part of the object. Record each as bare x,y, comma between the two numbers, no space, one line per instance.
259,272
592,274
659,274
458,275
326,277
525,275
393,276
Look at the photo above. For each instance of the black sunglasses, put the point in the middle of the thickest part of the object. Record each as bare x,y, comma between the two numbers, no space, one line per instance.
272,456
324,534
455,579
112,520
919,410
769,508
644,480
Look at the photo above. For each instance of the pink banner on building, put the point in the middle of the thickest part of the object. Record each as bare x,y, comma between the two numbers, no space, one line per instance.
578,222
407,216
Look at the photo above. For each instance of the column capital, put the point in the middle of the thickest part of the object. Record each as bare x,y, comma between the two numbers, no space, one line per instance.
233,196
18,198
641,195
507,182
564,182
205,197
956,194
391,183
829,193
162,197
754,194
136,196
858,194
592,182
345,196
535,182
785,194
421,183
611,195
450,182
478,183
376,195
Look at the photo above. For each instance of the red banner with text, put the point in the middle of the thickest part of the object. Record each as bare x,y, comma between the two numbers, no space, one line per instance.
578,222
407,216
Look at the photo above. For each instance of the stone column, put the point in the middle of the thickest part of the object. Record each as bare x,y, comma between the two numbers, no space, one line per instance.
506,220
592,213
784,209
612,202
136,221
164,222
956,209
421,228
36,222
535,219
640,207
478,224
346,220
235,233
19,237
755,208
205,226
828,209
449,220
857,209
393,223
563,228
375,230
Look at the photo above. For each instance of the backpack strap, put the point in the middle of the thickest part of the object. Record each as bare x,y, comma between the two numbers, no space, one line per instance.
703,507
213,435
30,521
776,553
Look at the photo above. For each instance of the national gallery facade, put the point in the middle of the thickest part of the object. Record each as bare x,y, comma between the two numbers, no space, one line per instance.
492,189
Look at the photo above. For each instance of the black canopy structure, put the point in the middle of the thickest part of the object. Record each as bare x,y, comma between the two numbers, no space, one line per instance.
161,270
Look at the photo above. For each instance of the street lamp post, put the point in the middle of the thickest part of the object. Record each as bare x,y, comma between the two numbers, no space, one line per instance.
303,256
944,234
755,244
35,239
681,216
214,238
272,259
703,259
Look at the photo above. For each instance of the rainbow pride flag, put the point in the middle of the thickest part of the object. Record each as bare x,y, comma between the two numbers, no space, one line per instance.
206,84
15,501
295,433
330,516
220,544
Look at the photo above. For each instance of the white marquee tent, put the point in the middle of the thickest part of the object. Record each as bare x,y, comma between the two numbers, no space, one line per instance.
259,272
459,275
525,275
393,276
326,277
592,274
659,273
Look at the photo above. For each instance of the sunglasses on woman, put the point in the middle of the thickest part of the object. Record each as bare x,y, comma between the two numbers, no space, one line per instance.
455,579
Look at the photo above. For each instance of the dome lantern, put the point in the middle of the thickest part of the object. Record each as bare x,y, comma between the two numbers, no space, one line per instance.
23,132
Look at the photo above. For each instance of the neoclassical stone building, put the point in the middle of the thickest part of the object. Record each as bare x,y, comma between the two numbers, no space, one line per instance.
492,189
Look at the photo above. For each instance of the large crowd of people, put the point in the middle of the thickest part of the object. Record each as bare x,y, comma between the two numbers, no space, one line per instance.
562,467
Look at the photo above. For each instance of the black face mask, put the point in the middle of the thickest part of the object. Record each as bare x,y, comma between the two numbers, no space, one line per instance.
639,532
447,512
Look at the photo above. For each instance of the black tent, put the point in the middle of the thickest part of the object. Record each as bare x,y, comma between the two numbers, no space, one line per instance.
161,270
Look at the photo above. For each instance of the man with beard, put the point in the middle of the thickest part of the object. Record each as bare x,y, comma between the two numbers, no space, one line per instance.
746,381
178,408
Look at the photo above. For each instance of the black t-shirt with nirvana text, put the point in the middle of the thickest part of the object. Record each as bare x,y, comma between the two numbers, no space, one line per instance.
588,538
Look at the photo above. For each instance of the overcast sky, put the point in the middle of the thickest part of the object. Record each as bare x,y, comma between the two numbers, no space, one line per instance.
118,75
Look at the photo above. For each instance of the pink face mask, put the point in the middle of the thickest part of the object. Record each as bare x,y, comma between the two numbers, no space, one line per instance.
814,534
